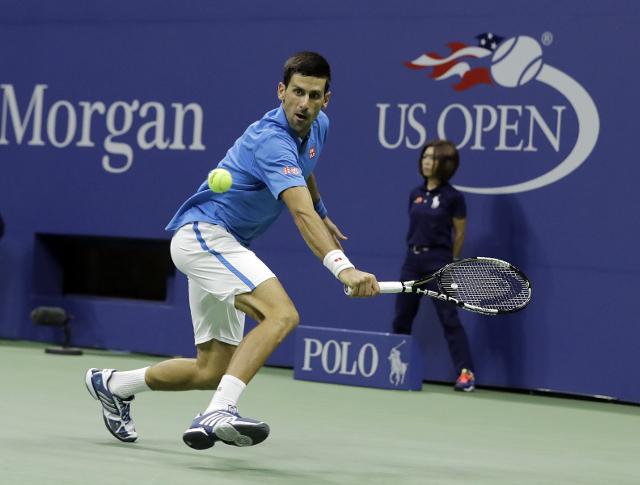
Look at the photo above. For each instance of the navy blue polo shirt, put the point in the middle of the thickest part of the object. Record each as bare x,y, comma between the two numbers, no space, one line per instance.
431,216
268,158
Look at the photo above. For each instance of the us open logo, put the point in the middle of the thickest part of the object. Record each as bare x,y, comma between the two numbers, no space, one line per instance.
560,127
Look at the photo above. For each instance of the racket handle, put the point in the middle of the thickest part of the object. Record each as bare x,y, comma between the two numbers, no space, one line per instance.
390,287
385,287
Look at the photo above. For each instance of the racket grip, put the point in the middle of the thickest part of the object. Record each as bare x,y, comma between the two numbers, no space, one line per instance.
390,287
385,287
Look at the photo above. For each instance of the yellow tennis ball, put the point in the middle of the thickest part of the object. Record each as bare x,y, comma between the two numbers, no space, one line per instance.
219,180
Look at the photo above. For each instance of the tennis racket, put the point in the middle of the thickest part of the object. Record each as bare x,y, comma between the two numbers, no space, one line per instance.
483,285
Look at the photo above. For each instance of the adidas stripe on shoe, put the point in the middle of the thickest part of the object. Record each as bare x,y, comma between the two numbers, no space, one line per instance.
226,426
115,410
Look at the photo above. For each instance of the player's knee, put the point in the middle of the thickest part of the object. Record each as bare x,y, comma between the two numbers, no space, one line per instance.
286,319
291,318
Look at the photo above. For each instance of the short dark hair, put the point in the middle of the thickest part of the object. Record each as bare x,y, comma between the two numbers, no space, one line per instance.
307,63
446,154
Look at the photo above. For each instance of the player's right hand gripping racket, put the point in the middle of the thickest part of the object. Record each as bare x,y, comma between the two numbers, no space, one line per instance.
483,285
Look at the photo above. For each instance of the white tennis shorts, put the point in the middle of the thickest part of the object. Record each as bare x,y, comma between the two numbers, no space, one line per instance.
218,268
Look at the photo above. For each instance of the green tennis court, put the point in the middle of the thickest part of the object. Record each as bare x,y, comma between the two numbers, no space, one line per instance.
52,432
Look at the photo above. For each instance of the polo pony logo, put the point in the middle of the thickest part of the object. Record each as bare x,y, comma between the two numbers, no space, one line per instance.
398,367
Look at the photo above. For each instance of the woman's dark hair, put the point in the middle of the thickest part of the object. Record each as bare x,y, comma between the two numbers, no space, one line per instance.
446,155
307,63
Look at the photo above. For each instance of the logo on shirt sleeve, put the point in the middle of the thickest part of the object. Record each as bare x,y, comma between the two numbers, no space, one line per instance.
291,170
312,152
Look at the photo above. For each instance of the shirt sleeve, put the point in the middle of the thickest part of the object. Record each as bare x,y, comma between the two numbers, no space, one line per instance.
323,123
459,208
276,162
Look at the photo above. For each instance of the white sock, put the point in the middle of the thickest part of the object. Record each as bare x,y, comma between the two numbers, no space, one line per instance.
127,383
227,394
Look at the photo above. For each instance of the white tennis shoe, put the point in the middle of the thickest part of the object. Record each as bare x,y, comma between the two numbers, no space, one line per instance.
115,410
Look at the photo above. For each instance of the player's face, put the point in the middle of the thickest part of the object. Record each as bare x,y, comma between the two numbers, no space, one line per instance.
428,163
302,100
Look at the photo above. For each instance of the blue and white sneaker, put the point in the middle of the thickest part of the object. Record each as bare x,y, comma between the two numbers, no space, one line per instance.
115,410
226,426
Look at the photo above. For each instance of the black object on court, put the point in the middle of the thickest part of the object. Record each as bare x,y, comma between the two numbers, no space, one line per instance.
56,317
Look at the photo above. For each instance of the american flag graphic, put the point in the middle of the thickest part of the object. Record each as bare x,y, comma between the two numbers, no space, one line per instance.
291,170
463,61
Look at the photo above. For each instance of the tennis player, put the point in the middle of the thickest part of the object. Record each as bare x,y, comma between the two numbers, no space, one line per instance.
272,166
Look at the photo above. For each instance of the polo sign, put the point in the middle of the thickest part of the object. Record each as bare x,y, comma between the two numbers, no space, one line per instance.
371,359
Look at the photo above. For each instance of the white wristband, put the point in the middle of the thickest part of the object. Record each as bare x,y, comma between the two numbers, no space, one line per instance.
335,261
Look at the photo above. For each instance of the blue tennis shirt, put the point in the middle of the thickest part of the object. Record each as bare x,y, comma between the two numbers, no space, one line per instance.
268,158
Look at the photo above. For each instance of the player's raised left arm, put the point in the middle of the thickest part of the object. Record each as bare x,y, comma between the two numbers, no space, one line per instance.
322,243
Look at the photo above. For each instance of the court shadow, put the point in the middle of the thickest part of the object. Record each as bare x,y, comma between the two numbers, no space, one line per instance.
168,449
501,344
208,461
249,471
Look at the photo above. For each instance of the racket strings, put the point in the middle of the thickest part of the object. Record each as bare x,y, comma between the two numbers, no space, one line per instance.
486,284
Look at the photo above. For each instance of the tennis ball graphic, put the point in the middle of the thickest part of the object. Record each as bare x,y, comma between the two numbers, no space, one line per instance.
517,61
219,180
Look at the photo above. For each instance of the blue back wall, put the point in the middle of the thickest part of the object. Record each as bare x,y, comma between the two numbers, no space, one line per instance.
112,116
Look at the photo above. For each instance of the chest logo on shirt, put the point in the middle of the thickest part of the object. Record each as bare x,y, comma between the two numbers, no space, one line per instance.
435,203
312,152
291,171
